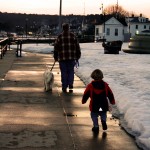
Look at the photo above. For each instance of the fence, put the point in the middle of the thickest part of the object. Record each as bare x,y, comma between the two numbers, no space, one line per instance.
3,47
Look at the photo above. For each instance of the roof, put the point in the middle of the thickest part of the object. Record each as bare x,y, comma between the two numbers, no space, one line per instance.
107,17
137,20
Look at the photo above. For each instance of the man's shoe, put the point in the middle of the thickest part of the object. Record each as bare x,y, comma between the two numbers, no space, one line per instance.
70,91
95,129
70,87
64,90
104,125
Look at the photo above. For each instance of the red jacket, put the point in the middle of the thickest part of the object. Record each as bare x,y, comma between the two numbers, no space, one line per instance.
99,93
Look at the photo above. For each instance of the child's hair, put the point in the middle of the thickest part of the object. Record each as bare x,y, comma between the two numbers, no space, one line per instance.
97,74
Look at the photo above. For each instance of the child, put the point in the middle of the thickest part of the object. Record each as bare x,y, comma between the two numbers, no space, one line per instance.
99,93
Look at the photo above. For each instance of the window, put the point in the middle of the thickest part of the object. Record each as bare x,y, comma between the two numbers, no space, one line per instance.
136,27
116,32
97,31
123,31
144,26
107,31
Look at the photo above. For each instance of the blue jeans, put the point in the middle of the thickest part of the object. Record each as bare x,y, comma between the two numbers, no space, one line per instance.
94,116
67,72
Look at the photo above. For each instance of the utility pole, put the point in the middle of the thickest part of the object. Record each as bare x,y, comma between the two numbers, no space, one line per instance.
60,18
103,23
117,5
26,27
117,9
83,21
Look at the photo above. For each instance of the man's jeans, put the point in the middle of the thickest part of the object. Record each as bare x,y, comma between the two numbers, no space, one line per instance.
67,72
94,116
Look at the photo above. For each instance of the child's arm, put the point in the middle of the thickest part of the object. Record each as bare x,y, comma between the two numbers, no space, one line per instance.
110,95
86,95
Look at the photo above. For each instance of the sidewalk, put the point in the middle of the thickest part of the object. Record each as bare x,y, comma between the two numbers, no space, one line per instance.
31,119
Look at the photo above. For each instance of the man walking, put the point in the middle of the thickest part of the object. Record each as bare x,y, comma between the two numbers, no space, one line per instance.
67,52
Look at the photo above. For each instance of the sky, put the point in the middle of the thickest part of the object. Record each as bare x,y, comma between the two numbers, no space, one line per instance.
79,7
128,75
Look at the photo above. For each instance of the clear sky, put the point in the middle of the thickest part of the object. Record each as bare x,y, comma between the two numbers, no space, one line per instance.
72,6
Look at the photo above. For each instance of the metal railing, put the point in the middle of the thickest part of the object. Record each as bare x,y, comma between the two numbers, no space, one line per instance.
5,44
3,47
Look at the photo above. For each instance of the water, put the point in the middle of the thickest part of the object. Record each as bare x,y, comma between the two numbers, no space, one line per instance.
128,76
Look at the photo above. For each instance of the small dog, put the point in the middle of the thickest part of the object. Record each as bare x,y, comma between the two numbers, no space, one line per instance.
48,80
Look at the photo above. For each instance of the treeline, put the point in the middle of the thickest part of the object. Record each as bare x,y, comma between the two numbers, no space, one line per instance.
10,21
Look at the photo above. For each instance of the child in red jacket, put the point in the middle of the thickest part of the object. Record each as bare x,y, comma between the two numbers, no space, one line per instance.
99,93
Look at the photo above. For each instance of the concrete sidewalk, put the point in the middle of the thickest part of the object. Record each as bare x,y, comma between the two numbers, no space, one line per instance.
31,119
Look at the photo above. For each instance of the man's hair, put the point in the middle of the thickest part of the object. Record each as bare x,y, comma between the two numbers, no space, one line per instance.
65,26
97,74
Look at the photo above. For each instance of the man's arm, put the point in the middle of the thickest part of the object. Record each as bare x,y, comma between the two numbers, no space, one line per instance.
56,48
78,49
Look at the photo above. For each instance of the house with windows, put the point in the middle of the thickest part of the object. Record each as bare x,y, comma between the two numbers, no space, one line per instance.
113,29
137,25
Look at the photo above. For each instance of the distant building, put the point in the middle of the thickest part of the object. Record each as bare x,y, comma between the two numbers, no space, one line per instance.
136,25
113,29
3,34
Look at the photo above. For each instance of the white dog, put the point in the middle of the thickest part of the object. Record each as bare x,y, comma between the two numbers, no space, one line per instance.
48,80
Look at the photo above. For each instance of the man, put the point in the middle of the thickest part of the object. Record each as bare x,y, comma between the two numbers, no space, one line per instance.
67,52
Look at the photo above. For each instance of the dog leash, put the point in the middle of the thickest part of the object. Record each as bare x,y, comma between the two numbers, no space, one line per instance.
53,65
77,64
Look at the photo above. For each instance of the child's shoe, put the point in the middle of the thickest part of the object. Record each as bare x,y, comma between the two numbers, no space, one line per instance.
95,129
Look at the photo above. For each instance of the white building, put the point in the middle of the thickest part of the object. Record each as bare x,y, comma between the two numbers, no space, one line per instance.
136,25
111,30
114,29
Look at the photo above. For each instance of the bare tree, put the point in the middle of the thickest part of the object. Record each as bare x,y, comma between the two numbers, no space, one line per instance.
116,10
